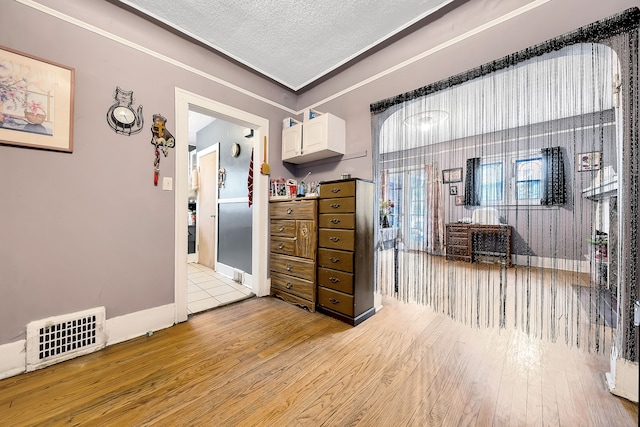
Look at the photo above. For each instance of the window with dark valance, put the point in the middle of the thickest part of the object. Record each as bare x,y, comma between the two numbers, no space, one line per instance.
554,187
552,190
470,183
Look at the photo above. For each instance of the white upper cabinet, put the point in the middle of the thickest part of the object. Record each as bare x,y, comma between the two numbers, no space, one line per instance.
292,141
318,138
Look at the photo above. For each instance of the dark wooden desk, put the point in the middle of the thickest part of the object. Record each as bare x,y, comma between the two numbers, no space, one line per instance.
459,241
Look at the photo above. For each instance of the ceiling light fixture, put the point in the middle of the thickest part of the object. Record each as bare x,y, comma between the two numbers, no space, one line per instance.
426,119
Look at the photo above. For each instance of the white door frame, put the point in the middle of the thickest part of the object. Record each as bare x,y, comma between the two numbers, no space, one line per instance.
259,240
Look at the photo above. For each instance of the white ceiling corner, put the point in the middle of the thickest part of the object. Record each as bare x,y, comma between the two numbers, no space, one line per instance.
289,41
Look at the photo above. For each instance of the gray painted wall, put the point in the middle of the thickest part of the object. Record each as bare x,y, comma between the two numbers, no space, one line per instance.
86,229
234,219
553,232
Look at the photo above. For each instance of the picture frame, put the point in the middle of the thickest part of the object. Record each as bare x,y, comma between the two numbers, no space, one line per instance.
451,175
453,190
588,161
36,102
459,200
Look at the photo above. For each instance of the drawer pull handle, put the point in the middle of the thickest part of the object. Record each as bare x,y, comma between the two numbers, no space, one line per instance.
335,221
335,205
289,267
334,239
289,211
281,245
335,190
281,228
288,285
334,301
334,279
334,260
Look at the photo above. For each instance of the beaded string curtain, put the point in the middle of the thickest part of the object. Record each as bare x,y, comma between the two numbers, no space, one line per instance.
535,154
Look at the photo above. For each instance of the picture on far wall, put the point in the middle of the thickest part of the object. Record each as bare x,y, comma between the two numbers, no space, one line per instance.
453,190
459,200
588,161
36,102
451,175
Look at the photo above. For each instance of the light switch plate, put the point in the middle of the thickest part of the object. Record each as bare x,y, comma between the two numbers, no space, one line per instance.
167,183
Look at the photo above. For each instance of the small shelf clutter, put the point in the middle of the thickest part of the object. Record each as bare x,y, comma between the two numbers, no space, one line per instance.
598,258
604,193
318,136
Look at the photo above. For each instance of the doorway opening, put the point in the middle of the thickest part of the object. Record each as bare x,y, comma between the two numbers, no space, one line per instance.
221,160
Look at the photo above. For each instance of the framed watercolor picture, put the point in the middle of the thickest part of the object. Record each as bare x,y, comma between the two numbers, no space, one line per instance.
36,102
451,175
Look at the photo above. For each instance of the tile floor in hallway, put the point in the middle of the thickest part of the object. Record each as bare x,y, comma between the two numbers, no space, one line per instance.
207,289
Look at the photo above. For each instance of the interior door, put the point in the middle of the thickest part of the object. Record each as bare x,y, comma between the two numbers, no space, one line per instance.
208,209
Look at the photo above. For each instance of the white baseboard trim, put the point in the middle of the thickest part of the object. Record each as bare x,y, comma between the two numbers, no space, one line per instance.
377,301
247,279
132,325
552,263
622,377
224,269
13,359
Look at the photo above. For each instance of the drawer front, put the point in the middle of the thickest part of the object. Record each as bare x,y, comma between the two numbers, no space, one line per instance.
336,280
298,267
338,189
457,250
299,209
458,241
457,229
336,239
347,205
283,245
283,227
336,301
293,285
337,260
337,220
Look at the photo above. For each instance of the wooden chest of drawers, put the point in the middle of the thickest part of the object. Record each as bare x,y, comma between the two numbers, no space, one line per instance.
294,241
458,244
346,280
460,241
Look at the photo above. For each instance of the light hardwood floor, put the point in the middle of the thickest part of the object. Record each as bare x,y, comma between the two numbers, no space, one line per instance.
263,362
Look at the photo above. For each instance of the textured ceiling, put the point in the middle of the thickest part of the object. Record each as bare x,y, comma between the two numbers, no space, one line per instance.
293,42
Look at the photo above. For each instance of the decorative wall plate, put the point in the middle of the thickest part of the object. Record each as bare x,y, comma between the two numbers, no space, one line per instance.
235,149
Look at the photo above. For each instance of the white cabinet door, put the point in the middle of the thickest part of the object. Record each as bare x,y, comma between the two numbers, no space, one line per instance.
292,142
315,135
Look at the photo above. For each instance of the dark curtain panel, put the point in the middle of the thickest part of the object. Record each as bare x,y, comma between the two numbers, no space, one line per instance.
554,187
470,188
